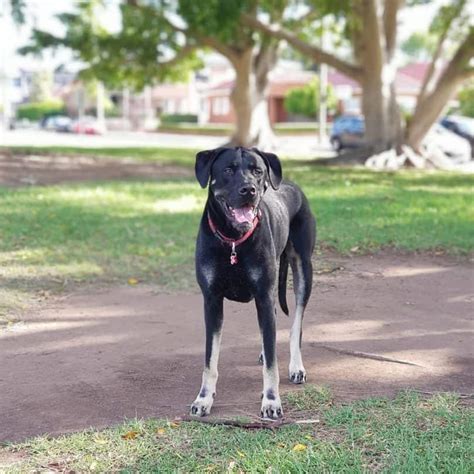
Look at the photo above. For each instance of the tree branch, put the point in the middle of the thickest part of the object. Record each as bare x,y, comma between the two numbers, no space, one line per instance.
467,74
182,53
434,64
456,70
230,53
390,17
265,60
316,53
369,17
431,105
311,14
209,41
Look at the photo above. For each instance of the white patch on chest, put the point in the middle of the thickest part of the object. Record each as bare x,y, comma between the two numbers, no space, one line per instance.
255,274
208,273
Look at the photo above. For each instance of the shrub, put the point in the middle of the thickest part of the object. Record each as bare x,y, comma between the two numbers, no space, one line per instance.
36,111
466,100
178,118
305,100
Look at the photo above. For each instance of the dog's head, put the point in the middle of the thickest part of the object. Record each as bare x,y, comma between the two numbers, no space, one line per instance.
238,179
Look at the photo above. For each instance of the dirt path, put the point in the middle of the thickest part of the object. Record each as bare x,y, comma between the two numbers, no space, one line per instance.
21,170
93,359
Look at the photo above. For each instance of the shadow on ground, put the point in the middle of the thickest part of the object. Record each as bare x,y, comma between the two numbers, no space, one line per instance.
93,359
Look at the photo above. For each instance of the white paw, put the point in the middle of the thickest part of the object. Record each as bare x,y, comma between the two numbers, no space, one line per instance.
271,409
202,406
297,375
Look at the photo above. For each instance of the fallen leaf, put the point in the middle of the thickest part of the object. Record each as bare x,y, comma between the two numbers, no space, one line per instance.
130,435
172,424
299,447
132,281
160,431
309,437
241,454
354,249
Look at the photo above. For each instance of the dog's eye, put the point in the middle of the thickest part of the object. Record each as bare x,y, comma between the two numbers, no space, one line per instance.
257,172
228,170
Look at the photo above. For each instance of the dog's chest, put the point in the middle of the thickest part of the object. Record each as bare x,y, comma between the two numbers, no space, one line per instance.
238,282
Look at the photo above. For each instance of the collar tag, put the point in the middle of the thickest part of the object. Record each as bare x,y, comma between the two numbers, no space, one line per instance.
233,255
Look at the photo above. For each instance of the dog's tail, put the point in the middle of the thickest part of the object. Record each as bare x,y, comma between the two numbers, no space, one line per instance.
282,278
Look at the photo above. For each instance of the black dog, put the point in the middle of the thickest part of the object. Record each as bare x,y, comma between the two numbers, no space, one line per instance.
251,222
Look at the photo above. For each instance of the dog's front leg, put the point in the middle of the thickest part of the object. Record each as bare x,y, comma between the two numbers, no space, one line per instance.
213,315
271,403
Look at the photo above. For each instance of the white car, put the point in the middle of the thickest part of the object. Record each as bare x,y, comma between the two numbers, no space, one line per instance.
58,123
452,145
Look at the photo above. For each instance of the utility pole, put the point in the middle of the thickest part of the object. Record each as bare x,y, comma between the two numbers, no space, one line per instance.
126,108
323,91
6,30
100,104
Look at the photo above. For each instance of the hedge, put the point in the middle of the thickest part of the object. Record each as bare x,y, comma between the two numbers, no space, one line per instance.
178,118
36,111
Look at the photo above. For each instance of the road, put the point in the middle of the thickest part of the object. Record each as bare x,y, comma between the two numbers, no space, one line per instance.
297,146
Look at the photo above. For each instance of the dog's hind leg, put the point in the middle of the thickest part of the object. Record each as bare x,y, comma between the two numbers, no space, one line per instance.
302,269
213,309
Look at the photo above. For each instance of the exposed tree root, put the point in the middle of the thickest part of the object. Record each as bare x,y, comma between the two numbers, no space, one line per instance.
429,157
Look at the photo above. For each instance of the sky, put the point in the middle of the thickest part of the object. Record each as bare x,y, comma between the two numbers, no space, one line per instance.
42,14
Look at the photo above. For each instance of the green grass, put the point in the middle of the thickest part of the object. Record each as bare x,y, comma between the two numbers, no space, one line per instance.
53,237
288,128
407,434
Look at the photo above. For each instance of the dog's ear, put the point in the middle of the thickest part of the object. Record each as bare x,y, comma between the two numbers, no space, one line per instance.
202,167
273,167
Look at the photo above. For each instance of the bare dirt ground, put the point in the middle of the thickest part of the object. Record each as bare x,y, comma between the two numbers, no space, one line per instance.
374,325
21,170
96,357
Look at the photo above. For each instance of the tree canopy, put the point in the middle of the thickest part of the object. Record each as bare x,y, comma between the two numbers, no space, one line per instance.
160,39
370,27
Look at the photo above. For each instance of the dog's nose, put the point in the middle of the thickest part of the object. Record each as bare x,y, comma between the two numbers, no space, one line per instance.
248,189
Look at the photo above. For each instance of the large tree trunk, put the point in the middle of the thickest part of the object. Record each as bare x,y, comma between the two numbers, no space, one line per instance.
249,99
375,48
241,98
382,114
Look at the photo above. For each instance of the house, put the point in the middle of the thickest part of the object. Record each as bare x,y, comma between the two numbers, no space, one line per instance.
408,81
216,106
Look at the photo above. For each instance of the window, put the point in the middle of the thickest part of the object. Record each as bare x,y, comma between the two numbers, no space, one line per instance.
221,106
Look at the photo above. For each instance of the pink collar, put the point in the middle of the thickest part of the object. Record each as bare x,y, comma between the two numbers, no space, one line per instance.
227,240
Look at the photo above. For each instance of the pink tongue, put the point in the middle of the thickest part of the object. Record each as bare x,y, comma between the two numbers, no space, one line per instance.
244,214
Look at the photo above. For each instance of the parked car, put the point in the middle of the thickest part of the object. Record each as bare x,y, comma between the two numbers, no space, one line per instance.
88,125
462,126
58,123
21,123
347,132
452,145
